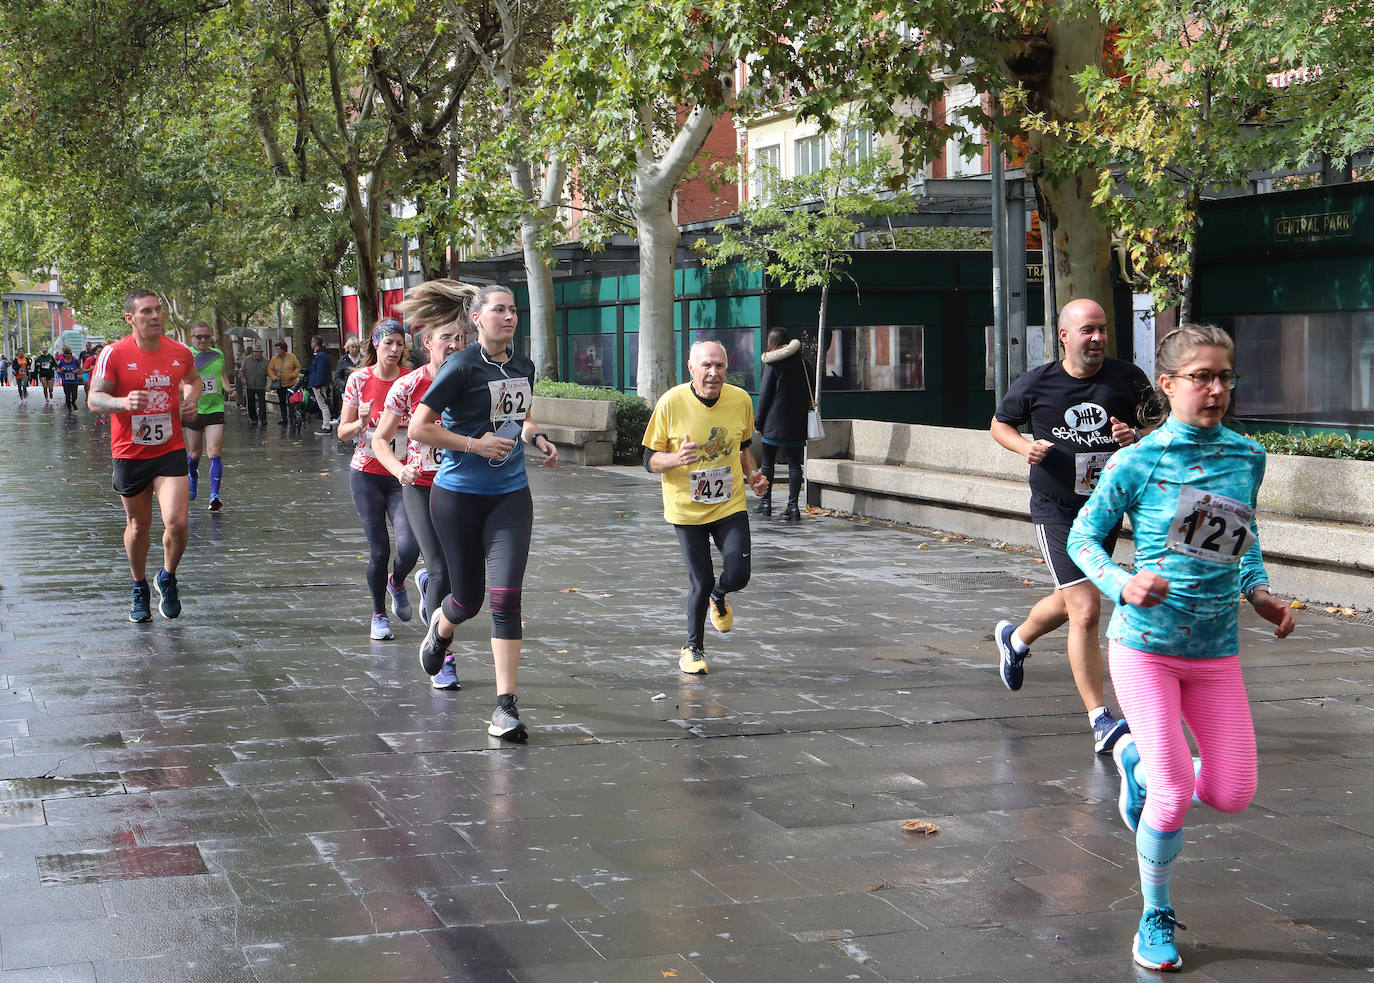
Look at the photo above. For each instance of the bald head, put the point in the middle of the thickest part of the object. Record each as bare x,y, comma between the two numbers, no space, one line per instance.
706,363
1083,333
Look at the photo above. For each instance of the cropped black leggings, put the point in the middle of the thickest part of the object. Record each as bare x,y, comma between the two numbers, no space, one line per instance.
731,536
769,459
484,536
416,498
377,497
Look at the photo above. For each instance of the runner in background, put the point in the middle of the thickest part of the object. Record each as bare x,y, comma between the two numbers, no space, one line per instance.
148,384
206,432
433,303
376,492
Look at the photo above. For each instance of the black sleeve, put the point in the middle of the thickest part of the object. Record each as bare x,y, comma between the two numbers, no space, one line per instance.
767,393
743,444
1015,407
649,453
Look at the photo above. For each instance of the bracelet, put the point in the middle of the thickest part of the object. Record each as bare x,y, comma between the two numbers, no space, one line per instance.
468,448
534,441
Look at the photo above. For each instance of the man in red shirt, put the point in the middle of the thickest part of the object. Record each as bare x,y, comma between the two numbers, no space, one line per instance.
148,384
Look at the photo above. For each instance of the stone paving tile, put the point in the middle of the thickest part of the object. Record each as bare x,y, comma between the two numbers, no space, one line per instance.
346,822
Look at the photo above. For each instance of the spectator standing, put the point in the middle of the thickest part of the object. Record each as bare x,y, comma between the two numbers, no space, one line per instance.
784,401
255,383
349,360
283,372
4,370
318,380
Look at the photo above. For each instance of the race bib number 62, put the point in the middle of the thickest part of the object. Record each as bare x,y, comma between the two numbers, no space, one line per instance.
1210,527
510,399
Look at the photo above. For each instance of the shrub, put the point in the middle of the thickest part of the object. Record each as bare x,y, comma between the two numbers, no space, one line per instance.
631,414
1336,445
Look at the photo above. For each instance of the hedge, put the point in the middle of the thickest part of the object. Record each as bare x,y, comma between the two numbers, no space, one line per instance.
1337,445
631,414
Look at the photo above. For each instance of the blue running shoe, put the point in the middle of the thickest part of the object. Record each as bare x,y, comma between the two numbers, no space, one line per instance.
1132,799
422,585
141,610
1107,730
447,676
1011,665
400,600
1154,941
166,586
381,628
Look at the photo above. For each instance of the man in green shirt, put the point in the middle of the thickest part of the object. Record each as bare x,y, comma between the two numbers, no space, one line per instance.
206,431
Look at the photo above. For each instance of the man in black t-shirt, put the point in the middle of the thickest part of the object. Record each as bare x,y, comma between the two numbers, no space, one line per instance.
1080,411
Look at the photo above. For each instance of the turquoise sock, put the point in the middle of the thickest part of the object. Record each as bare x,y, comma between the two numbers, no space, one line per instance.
1156,853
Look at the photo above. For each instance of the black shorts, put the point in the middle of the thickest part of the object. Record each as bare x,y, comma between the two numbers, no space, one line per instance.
204,420
1054,547
133,475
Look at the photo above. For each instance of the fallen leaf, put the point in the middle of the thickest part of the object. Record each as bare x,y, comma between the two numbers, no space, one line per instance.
562,651
920,826
324,474
878,887
1298,606
1039,560
667,973
571,590
659,696
605,595
1029,583
67,480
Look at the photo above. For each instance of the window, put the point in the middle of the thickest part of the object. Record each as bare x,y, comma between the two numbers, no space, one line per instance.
740,346
810,155
592,359
880,357
959,165
767,171
858,145
1305,368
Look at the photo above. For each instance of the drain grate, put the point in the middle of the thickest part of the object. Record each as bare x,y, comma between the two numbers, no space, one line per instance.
962,580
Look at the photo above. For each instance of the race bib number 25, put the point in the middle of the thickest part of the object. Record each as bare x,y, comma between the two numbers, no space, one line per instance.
151,429
1210,527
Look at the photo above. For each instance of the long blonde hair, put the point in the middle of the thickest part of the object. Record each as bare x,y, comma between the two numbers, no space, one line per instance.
436,303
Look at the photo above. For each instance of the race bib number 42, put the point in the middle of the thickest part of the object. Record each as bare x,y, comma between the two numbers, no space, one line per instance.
712,486
151,429
510,399
1210,527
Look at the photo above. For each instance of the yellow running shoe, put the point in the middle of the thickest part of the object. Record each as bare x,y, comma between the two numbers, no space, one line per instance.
721,616
692,661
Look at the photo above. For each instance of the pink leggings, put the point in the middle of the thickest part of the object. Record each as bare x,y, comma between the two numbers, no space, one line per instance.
1158,693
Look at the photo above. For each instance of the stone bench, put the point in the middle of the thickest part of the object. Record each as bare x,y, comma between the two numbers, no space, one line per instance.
1316,516
583,429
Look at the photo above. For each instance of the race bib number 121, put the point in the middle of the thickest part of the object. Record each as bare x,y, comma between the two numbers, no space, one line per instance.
1210,527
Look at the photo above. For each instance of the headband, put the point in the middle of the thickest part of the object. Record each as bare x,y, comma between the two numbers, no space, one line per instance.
385,327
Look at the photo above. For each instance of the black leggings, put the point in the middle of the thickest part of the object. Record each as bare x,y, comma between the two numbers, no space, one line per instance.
484,535
69,392
794,469
731,536
377,497
416,498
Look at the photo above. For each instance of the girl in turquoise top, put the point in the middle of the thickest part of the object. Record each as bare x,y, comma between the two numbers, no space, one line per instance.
1190,489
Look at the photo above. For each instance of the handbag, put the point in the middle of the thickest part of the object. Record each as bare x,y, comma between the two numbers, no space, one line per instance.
815,429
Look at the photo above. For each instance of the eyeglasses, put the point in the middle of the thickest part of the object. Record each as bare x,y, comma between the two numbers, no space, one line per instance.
1203,378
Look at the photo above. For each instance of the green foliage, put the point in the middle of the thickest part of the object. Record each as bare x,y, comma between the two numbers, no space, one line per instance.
801,230
631,414
1334,445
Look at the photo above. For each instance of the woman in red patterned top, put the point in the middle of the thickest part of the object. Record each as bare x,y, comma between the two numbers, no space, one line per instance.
438,307
376,492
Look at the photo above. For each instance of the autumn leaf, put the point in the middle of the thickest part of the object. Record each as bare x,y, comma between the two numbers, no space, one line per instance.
1028,583
920,826
570,590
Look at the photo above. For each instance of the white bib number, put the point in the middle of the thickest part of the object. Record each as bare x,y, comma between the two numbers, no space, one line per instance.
712,486
1210,527
151,429
510,399
430,457
398,439
1087,469
208,385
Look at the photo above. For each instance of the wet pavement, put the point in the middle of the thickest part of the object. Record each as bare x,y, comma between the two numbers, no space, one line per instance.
257,792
